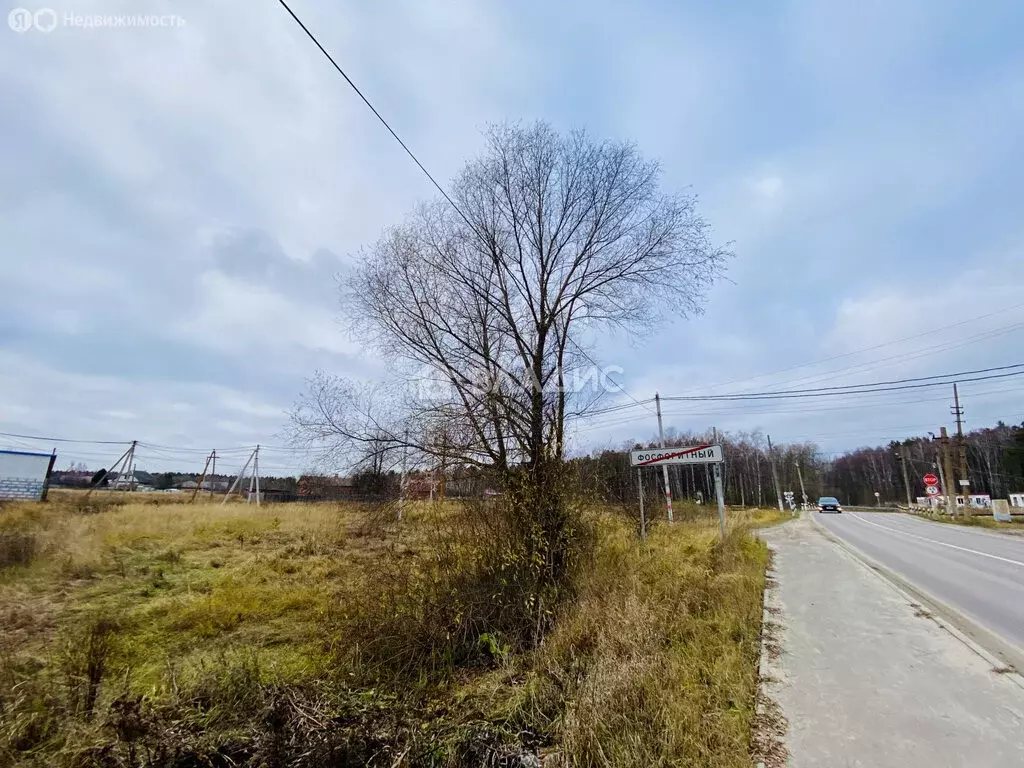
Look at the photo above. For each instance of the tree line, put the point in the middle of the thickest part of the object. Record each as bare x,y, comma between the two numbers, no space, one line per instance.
995,460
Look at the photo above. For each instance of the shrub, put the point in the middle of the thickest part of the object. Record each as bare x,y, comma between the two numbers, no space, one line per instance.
476,594
17,548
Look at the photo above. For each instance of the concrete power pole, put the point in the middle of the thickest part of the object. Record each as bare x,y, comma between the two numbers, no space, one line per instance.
803,491
961,445
948,489
664,467
775,474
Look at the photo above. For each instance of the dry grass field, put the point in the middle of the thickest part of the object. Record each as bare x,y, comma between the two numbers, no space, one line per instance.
140,633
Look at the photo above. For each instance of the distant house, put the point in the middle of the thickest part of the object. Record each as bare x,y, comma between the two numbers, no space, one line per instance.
1017,499
188,485
125,482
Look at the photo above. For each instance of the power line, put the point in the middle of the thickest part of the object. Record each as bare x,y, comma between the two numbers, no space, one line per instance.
934,349
864,349
64,439
420,165
853,389
373,109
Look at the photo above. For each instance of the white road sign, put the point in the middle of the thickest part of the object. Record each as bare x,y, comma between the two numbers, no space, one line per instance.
932,490
696,454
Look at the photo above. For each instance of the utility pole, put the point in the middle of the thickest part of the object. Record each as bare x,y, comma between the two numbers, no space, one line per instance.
213,467
130,463
961,444
256,473
803,491
202,477
902,456
948,489
757,469
110,471
238,480
775,474
664,467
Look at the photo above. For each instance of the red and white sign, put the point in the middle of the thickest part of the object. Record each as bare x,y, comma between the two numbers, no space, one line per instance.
695,454
930,479
932,490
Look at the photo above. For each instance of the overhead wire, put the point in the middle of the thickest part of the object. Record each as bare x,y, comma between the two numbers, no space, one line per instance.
887,386
373,109
860,351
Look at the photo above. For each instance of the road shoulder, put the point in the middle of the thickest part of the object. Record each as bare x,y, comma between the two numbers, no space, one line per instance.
865,676
996,650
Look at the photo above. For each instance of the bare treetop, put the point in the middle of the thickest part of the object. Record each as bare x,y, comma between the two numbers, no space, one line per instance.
553,236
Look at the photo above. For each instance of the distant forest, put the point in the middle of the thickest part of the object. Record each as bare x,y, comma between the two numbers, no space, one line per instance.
995,459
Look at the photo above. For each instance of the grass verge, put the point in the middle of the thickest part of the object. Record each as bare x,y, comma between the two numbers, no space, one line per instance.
139,634
977,521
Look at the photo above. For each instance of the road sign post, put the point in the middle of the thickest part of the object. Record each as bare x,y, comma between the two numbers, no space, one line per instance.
695,454
721,499
643,522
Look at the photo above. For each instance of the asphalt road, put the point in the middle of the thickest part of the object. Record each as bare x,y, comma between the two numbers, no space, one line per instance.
978,573
864,677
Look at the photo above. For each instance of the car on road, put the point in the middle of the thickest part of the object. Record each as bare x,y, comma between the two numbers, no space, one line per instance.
829,504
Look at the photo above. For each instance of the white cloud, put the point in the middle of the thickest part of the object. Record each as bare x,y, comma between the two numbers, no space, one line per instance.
187,193
243,319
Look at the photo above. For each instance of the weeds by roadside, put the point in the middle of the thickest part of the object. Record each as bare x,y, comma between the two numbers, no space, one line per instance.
976,521
311,635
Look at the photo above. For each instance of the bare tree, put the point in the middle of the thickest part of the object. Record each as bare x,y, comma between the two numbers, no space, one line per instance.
486,305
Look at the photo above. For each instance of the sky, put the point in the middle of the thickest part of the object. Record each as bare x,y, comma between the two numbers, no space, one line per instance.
177,201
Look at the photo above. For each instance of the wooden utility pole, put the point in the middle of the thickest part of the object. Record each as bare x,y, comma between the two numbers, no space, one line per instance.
947,462
961,445
664,467
202,477
256,473
775,474
238,480
114,466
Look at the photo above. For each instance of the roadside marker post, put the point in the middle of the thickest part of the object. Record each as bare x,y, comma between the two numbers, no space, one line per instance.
721,499
643,522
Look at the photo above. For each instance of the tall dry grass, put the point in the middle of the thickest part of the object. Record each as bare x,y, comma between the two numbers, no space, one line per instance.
315,634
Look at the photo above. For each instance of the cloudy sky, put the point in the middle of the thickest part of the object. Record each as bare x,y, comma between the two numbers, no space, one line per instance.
175,201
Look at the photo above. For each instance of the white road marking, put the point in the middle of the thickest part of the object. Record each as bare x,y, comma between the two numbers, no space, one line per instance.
933,541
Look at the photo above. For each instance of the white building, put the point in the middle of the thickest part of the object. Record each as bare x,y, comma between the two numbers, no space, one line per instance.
978,501
1017,499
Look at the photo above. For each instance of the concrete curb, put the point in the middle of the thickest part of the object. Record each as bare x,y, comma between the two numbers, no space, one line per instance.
996,651
770,726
